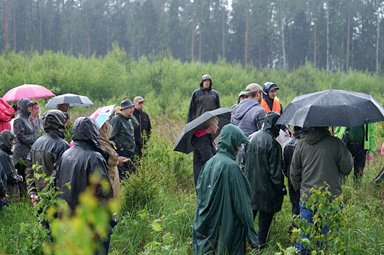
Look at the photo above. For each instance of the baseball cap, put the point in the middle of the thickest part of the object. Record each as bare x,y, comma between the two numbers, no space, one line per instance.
254,87
138,99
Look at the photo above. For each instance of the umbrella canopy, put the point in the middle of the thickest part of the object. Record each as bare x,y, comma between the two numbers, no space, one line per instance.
30,91
332,108
102,114
183,142
71,99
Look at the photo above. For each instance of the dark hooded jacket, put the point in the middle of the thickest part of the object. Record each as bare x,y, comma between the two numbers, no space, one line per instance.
47,149
144,127
81,160
320,157
203,100
248,115
203,150
294,196
263,167
13,179
6,139
24,131
223,218
3,183
123,131
270,103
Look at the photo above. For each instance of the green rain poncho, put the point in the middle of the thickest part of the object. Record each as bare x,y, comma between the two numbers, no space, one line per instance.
223,216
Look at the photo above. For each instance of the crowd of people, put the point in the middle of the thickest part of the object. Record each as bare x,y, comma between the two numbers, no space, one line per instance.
31,145
237,180
230,195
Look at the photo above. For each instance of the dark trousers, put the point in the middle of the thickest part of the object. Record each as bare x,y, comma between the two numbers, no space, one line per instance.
127,168
359,155
3,203
265,220
21,170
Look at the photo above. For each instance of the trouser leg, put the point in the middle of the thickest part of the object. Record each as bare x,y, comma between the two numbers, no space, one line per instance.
265,220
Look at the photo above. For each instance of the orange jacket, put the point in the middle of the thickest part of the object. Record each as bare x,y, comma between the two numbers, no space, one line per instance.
276,105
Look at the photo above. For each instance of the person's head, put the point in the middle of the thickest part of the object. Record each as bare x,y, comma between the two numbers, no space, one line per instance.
67,119
87,130
25,106
206,82
126,107
16,110
271,89
211,125
54,122
138,102
231,139
255,91
62,107
35,110
117,109
242,96
270,125
7,139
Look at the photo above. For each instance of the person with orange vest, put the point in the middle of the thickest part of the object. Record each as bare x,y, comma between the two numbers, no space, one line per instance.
271,103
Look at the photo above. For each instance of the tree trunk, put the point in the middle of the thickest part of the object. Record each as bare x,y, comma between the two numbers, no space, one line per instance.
223,27
314,34
6,22
26,29
377,36
348,36
108,27
246,36
283,44
327,35
41,28
14,26
193,29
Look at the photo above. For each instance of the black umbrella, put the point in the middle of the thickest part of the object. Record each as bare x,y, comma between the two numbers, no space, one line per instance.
332,108
71,99
183,142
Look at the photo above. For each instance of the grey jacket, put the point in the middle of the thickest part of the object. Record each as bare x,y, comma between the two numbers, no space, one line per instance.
123,132
249,116
24,131
320,157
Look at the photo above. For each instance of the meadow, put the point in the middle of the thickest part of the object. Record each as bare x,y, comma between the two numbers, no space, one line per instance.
158,205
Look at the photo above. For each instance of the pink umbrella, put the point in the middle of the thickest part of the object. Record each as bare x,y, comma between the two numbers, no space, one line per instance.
27,91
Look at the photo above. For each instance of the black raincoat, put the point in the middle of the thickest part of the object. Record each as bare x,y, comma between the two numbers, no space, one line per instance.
24,131
263,167
203,100
47,150
13,179
78,162
223,218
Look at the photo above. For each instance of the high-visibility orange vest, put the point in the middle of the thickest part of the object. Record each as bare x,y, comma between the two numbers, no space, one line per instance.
275,107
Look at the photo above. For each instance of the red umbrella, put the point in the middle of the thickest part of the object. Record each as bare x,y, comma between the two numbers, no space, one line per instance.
27,91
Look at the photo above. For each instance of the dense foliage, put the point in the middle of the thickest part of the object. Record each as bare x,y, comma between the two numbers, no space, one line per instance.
268,33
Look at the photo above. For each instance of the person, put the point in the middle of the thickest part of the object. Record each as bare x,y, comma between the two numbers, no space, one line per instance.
79,162
294,195
319,158
263,168
14,116
242,96
6,114
203,99
13,179
203,145
62,107
143,131
114,158
25,136
271,103
223,219
36,119
248,115
46,151
359,140
123,124
3,188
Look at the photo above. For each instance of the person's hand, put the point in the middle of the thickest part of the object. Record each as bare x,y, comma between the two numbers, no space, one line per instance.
126,159
284,191
34,199
1,198
370,156
286,133
121,149
21,178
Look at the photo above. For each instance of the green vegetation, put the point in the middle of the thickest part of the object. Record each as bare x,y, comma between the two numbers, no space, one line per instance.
158,204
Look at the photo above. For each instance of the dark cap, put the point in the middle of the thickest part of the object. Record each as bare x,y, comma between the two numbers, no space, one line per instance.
271,86
126,103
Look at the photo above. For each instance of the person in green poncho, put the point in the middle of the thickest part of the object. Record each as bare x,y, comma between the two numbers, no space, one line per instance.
223,218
